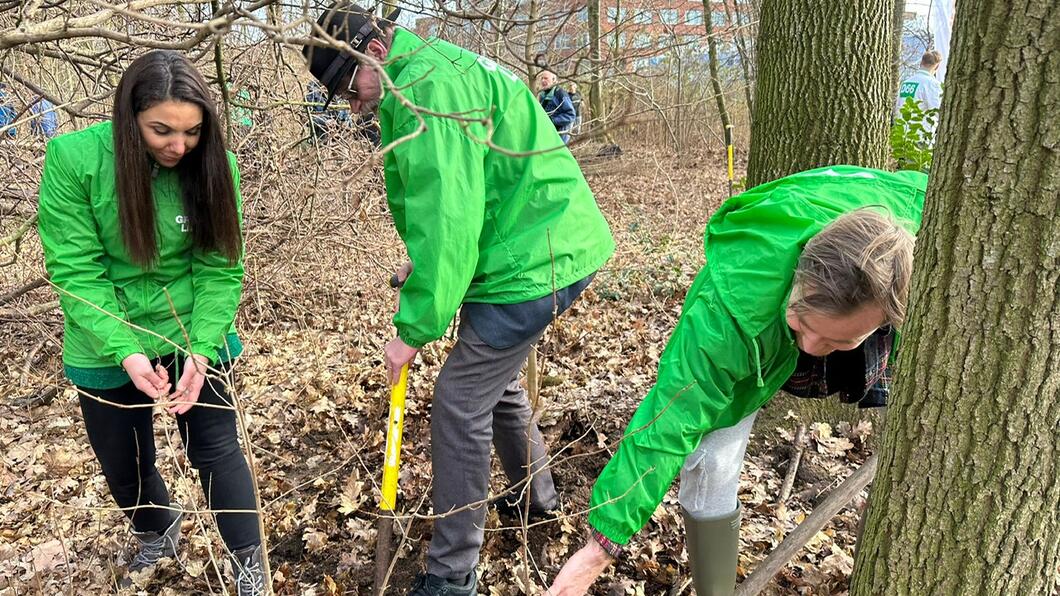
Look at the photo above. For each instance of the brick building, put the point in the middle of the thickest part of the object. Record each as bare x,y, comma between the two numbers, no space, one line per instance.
636,28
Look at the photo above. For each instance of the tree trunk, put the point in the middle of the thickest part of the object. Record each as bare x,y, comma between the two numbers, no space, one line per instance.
530,50
678,116
740,36
496,41
824,86
896,63
596,98
222,82
712,52
968,490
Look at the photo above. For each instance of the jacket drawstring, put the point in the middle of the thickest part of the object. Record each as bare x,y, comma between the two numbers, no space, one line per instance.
758,362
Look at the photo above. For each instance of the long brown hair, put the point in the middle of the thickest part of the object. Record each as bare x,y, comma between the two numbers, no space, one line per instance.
207,188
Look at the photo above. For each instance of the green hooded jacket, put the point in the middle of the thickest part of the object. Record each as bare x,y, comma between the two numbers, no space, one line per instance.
479,223
101,289
732,349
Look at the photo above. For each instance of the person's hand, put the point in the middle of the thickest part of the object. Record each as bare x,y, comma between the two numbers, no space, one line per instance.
581,570
153,381
397,354
189,385
403,272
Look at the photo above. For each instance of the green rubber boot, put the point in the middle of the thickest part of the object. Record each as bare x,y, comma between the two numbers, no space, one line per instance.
713,545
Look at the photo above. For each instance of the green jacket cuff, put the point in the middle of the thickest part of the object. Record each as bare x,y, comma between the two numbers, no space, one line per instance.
125,352
205,350
410,341
611,532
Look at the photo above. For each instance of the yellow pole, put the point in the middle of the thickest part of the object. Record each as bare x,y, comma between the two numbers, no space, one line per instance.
392,456
729,151
391,464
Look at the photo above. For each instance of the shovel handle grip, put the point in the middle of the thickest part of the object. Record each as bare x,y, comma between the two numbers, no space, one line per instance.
394,429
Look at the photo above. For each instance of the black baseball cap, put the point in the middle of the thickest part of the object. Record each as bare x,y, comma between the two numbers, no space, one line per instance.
349,23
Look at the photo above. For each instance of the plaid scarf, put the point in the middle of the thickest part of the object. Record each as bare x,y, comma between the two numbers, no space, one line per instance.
861,375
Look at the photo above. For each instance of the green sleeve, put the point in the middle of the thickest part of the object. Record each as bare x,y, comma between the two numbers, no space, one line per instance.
704,359
441,220
74,258
218,287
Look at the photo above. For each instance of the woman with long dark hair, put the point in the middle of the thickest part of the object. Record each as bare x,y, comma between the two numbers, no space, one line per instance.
140,225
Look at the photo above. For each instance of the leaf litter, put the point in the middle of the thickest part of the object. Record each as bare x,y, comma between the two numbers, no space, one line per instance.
315,315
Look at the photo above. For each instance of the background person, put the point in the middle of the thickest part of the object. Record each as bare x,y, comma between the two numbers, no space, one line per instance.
323,121
8,113
576,101
46,123
924,89
556,103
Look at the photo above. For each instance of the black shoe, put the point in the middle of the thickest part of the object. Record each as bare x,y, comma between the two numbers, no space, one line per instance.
432,585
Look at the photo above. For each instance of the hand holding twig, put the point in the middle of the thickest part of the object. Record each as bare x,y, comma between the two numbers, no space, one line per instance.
190,384
152,382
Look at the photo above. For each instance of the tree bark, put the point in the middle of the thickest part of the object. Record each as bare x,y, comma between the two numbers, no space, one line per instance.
712,52
740,36
824,86
968,490
896,53
530,50
596,97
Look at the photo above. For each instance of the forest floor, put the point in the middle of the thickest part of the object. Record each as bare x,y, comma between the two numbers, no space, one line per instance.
314,319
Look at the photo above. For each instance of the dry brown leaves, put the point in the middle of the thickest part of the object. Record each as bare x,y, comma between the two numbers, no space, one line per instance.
315,317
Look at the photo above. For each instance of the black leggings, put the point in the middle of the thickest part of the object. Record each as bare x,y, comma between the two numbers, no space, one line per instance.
123,440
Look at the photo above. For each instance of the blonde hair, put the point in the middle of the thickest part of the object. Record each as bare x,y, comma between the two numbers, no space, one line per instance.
862,258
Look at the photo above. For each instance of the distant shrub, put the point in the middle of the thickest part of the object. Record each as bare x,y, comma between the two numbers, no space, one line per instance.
912,139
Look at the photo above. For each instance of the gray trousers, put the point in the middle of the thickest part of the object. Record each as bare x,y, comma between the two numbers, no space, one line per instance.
710,476
478,400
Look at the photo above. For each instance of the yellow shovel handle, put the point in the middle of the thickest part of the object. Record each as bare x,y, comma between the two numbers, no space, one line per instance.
729,150
392,456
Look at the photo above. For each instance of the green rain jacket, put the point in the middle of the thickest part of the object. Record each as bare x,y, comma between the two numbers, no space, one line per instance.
101,289
479,224
732,349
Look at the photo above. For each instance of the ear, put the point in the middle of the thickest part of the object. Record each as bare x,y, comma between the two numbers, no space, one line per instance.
376,49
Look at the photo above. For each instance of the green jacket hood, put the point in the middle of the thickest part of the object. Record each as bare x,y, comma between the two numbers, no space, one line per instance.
753,242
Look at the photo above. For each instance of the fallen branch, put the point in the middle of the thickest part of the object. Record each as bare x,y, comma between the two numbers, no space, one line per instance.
793,465
40,397
56,102
29,287
32,311
798,538
15,238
